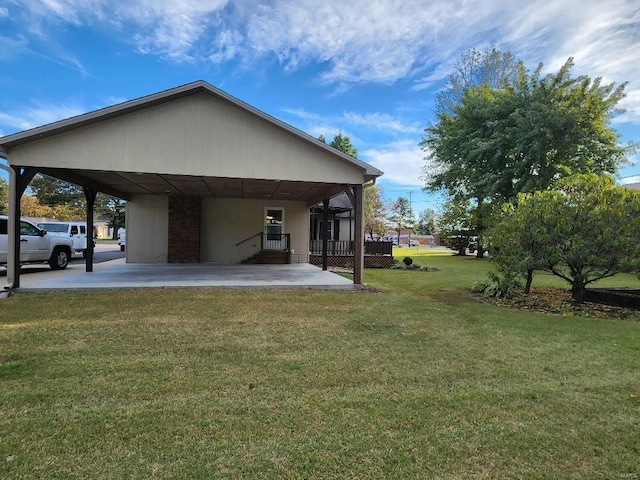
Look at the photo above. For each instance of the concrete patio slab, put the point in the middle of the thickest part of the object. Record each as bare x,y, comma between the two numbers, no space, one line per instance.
118,274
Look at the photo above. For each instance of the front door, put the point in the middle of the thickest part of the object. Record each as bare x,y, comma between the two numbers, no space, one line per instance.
273,228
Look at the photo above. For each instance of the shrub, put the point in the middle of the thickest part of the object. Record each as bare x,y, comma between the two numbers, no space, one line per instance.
498,286
407,261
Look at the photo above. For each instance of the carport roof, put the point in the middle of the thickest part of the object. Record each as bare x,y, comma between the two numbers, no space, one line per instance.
124,184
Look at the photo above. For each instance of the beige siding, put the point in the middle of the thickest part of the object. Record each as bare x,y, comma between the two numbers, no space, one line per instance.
196,135
226,222
147,229
347,228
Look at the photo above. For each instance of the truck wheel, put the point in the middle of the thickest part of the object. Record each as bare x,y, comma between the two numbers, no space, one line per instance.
59,259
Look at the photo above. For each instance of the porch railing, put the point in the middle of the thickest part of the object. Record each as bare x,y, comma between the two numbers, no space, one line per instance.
276,241
346,247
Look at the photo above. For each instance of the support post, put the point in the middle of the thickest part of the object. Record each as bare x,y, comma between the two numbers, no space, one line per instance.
358,253
90,196
22,175
325,232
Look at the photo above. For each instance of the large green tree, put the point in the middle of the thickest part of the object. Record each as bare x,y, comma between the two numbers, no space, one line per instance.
66,201
427,220
492,68
342,143
524,135
583,231
52,192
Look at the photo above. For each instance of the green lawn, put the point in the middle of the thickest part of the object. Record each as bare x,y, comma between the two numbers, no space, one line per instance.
418,381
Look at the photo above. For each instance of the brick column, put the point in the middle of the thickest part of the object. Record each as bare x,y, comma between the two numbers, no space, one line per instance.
184,230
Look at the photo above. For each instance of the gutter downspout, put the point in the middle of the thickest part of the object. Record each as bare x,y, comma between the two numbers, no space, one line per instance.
11,234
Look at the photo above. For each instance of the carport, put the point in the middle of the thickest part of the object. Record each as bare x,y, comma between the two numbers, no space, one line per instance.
205,176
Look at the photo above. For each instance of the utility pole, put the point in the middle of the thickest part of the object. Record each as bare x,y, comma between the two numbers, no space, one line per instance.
410,218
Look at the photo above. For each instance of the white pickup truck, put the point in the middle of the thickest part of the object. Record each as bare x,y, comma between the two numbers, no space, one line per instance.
36,246
76,231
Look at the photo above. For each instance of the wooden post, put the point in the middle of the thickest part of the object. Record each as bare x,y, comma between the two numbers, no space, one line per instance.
90,196
325,232
22,177
358,253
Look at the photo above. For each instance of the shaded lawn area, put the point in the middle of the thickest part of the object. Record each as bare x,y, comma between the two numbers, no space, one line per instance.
419,381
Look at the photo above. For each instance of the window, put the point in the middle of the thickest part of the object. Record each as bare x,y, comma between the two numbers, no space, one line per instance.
328,230
3,226
74,230
28,229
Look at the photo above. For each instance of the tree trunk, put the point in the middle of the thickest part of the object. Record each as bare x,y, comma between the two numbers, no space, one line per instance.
577,293
480,250
527,286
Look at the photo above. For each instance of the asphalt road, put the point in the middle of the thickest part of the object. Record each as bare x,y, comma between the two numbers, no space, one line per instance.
103,252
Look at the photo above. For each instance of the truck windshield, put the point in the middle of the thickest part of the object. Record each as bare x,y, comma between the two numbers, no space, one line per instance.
54,227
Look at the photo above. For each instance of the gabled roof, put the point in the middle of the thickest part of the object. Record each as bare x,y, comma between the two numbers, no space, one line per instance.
80,121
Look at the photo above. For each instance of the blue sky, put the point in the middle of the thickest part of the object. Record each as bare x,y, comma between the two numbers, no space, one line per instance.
367,69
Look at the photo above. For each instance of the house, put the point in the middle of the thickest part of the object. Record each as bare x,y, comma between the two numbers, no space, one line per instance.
340,234
207,177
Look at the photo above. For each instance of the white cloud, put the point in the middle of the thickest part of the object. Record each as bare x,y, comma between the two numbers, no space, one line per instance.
382,122
629,180
35,115
363,41
631,106
4,12
401,162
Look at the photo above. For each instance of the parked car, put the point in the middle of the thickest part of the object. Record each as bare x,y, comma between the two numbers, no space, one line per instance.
36,246
122,238
76,231
473,244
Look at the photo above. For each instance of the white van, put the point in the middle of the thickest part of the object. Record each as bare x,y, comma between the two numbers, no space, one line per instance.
122,238
76,231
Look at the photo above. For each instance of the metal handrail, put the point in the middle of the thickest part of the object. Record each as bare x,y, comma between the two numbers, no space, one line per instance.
252,236
283,236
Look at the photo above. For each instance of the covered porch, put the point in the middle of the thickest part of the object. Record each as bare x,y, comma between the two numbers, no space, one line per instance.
201,171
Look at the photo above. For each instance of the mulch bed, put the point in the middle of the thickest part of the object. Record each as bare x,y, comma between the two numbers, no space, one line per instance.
556,301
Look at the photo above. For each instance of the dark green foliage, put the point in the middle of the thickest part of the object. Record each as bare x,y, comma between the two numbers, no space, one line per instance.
582,232
342,143
499,285
407,261
426,222
521,137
